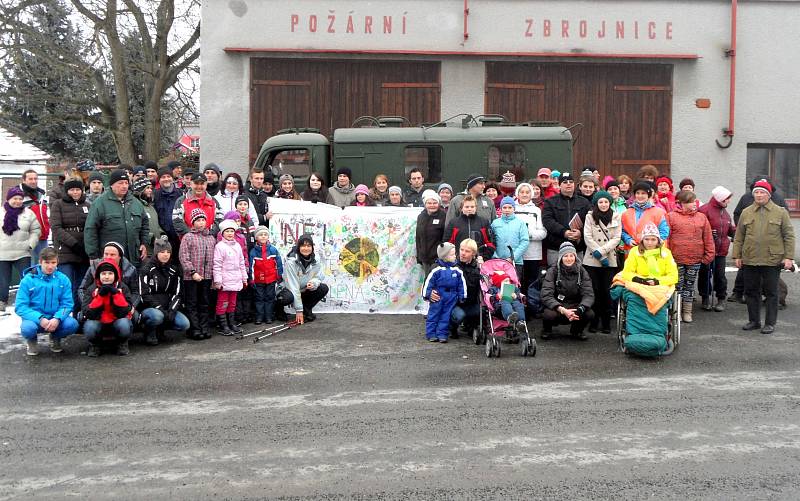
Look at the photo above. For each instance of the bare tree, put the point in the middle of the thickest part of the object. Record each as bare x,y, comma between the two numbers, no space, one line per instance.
135,47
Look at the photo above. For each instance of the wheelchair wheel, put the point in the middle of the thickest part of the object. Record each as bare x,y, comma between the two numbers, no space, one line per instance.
676,321
621,317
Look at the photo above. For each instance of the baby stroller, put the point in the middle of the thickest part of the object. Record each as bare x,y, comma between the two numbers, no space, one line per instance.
492,327
644,321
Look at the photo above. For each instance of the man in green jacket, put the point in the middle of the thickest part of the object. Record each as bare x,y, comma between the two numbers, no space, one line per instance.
764,244
117,216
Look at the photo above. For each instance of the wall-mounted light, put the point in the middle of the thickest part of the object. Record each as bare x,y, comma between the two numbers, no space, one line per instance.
703,103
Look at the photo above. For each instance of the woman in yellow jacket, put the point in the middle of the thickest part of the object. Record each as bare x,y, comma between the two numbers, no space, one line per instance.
650,262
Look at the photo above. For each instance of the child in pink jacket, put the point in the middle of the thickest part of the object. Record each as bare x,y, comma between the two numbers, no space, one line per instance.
229,276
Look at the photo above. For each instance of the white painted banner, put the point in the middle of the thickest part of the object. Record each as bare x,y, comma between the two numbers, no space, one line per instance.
368,253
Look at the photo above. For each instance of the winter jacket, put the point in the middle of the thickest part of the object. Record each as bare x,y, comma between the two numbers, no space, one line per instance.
108,308
259,202
656,263
19,244
551,190
430,229
764,236
412,197
230,269
164,203
197,254
446,279
486,208
380,199
297,277
113,220
212,189
227,202
40,295
722,226
603,238
634,220
690,239
341,197
667,201
472,277
558,212
37,202
318,196
160,285
154,230
565,286
67,219
130,277
182,213
531,214
619,205
510,231
475,227
266,266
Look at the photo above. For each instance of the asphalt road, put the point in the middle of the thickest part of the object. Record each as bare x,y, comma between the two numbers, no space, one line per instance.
357,406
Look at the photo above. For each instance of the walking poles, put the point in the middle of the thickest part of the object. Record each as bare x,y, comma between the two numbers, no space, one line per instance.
269,331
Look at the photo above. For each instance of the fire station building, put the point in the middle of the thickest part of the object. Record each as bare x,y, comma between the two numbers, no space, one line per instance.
704,89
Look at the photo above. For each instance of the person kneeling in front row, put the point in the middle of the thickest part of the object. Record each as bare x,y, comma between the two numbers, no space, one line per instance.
44,302
160,287
303,276
567,294
107,307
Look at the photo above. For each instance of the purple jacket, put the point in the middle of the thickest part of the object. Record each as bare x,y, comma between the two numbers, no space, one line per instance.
230,269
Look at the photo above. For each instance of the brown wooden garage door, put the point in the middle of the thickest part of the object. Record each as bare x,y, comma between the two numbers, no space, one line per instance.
331,94
625,109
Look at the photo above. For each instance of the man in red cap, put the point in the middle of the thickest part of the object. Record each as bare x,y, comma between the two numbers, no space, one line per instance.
764,244
549,187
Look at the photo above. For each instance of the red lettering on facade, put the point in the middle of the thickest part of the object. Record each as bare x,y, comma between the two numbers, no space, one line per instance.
583,28
295,20
669,30
529,28
602,32
368,24
620,29
651,30
564,28
546,28
387,24
312,23
331,19
350,27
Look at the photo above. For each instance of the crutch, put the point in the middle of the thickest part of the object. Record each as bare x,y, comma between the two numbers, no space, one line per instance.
260,331
280,328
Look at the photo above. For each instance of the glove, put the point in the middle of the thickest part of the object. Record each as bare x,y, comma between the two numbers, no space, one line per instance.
105,290
640,280
596,253
605,262
580,310
714,233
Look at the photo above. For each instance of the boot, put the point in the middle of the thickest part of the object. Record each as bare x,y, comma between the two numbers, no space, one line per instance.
224,328
308,316
33,347
150,336
122,348
93,351
55,344
686,311
707,303
720,306
232,325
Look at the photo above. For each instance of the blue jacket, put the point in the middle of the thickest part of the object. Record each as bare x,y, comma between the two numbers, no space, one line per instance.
510,231
164,203
448,280
663,227
40,295
259,264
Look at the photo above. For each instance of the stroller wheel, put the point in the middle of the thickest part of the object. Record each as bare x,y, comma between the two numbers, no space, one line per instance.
532,348
489,348
496,348
476,335
524,350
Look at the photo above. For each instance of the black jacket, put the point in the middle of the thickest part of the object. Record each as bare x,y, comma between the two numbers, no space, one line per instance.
472,276
573,285
475,227
556,215
160,285
430,229
258,198
413,198
67,219
164,203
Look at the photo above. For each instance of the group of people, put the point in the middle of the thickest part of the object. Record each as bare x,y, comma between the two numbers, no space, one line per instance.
158,248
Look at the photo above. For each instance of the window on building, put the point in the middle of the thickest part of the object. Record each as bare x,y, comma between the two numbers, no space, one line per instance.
502,158
196,142
781,162
428,159
294,162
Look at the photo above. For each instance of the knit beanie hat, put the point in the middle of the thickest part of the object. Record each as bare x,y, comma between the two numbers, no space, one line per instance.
509,180
498,277
15,191
197,214
395,189
443,250
140,184
106,265
607,180
261,229
427,194
523,185
95,175
563,178
687,181
762,184
214,167
285,177
602,194
474,179
346,171
172,164
73,182
362,188
508,201
227,224
650,230
161,244
242,198
555,173
151,164
164,171
138,169
566,248
721,193
444,186
232,215
643,186
665,179
117,246
118,175
611,183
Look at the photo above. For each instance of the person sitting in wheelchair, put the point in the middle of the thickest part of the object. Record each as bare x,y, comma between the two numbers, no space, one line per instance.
649,262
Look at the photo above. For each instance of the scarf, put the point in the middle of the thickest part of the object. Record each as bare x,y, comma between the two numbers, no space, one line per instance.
642,205
33,193
11,219
600,216
651,257
289,195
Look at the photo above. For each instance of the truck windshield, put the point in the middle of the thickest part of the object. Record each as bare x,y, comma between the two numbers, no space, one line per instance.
506,157
428,159
294,162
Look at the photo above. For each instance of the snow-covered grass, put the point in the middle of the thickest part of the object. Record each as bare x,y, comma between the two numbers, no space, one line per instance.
9,331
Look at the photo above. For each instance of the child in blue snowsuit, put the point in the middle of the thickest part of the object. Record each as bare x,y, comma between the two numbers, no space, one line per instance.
447,281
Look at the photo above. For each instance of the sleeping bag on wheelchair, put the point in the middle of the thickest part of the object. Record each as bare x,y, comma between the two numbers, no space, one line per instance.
646,331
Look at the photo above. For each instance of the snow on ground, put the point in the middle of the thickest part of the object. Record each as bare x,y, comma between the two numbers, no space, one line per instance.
9,332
